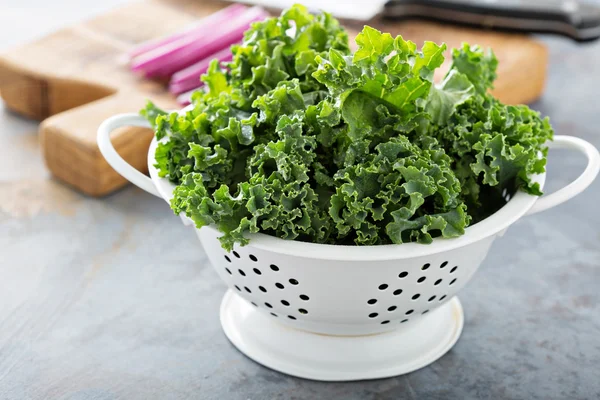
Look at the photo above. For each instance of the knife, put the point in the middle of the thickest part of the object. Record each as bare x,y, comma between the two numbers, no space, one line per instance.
573,19
569,18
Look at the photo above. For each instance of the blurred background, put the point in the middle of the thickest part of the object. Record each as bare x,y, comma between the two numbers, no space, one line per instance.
105,295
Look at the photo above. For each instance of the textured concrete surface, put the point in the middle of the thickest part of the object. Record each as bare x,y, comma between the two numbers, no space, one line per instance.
114,299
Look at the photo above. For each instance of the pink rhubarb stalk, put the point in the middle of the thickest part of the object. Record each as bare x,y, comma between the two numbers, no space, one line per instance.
213,20
175,56
189,78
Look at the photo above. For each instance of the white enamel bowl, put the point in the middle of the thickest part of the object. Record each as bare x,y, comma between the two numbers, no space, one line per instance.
348,312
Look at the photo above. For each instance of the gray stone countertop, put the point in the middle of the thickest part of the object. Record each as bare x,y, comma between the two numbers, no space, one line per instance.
115,299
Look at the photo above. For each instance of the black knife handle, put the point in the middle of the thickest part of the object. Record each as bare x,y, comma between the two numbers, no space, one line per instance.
570,18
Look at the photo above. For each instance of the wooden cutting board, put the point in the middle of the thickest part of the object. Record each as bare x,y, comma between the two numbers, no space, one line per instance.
77,77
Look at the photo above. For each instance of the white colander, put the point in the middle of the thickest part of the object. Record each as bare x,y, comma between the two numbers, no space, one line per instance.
347,312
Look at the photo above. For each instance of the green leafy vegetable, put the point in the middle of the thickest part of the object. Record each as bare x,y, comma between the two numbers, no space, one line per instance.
299,138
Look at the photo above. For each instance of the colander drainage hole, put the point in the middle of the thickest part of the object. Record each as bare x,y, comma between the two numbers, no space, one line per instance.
373,315
235,253
253,257
383,286
409,312
442,298
291,317
293,281
425,312
262,289
432,298
304,297
372,301
437,282
247,290
403,321
238,288
285,303
385,322
397,292
452,282
242,273
421,279
257,271
279,285
273,314
403,274
274,267
268,305
254,304
444,264
227,258
453,269
424,267
228,271
416,296
392,308
302,311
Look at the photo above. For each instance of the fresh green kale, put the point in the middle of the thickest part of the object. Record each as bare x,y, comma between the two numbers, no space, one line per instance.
299,138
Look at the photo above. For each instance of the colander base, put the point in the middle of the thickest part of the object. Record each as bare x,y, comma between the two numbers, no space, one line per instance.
340,358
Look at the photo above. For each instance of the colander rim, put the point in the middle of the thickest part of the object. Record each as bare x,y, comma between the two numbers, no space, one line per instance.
514,209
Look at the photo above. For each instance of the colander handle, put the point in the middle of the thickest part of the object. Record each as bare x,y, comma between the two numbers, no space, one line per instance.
113,158
578,185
